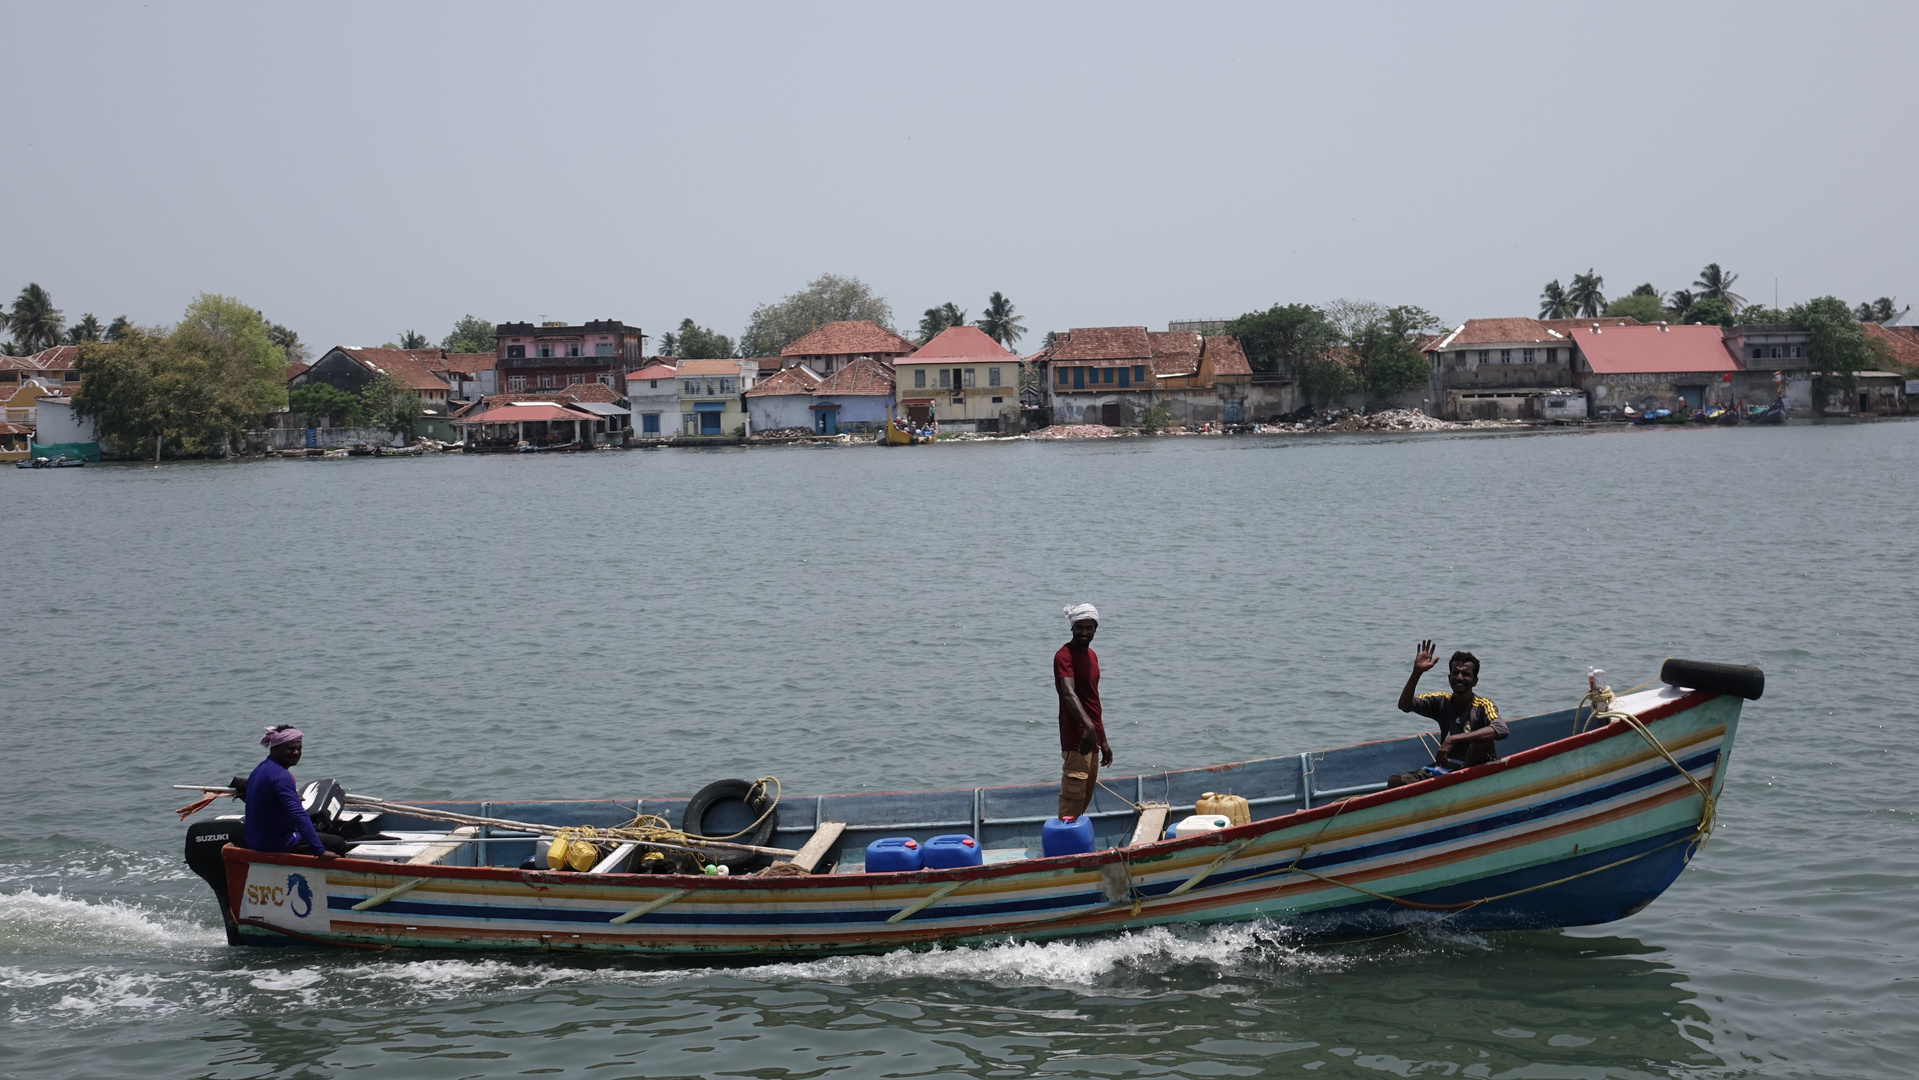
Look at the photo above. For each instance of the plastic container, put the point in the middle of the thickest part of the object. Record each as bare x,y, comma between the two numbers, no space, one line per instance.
892,853
1200,823
1058,837
945,852
1231,807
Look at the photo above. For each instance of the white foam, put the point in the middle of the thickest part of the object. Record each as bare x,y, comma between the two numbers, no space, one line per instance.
33,922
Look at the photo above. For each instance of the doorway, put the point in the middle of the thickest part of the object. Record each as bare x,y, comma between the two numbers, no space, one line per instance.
826,422
1109,414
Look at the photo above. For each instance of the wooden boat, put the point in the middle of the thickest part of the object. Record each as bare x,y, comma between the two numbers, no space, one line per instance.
899,436
1582,820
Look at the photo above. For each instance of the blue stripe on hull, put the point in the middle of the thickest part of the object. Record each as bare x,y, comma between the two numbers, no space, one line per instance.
1604,897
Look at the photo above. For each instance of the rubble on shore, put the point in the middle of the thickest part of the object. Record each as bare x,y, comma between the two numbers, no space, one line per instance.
1075,431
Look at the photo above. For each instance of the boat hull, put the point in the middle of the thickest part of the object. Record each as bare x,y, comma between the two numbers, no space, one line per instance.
1584,829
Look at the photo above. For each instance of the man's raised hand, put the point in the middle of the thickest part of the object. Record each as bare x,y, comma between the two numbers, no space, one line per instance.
1426,657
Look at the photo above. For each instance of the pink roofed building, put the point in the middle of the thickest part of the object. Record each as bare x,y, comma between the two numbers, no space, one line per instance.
1653,367
961,378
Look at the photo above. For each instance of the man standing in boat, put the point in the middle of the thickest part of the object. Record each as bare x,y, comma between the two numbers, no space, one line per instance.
1468,724
1082,729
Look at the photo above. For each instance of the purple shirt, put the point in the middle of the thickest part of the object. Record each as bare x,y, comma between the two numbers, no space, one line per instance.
276,819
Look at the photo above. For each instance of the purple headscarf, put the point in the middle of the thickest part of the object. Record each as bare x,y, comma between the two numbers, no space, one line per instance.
277,736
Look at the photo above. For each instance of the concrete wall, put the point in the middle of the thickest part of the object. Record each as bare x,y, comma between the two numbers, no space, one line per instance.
1611,393
334,438
859,412
770,412
55,423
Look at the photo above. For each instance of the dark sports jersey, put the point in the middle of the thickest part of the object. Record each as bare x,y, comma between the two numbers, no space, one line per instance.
1453,720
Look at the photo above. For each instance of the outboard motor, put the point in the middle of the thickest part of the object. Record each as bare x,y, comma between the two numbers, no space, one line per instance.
205,838
324,800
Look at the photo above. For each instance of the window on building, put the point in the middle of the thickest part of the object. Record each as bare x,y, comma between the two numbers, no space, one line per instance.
652,384
546,350
547,382
605,380
650,423
1125,378
516,352
1139,373
1798,351
1527,357
1505,356
726,386
1107,376
919,378
573,350
1079,378
992,376
1777,352
1064,374
1485,355
946,378
969,376
575,380
604,348
515,382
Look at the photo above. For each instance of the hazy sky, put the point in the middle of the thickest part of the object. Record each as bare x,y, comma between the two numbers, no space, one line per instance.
356,170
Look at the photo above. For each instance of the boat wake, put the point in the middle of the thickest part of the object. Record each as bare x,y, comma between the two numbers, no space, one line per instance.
49,923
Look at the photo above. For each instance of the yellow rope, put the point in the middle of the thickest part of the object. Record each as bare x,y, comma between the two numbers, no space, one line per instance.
654,829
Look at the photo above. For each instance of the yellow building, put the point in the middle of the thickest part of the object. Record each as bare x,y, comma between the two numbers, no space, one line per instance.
712,400
963,380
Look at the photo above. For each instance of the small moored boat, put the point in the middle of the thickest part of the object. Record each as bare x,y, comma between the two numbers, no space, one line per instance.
1587,817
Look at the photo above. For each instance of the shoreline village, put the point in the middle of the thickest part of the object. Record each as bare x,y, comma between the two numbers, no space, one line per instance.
554,386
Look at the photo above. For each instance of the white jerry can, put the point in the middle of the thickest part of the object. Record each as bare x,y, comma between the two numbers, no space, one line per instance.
1199,823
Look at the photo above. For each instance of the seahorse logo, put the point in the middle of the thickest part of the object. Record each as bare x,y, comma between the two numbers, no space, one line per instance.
297,887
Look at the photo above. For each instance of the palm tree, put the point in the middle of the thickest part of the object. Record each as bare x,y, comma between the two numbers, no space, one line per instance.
940,318
1681,301
668,342
999,322
118,328
1553,303
35,321
1717,284
1881,310
287,340
412,339
1586,295
87,329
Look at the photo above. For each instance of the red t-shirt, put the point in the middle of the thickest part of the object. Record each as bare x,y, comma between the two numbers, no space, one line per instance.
1081,666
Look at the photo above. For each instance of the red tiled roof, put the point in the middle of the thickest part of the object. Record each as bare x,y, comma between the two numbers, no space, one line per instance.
15,428
1227,356
1621,350
709,367
1500,332
1568,325
959,343
652,371
468,364
768,364
793,380
1102,343
1175,352
409,367
507,414
295,369
57,358
848,339
863,377
592,391
1904,347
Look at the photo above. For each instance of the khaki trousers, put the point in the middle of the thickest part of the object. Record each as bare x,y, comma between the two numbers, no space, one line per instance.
1078,775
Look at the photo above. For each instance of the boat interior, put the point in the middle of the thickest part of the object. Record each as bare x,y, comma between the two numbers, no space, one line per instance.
1005,821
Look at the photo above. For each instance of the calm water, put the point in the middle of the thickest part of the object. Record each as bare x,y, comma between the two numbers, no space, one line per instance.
847,618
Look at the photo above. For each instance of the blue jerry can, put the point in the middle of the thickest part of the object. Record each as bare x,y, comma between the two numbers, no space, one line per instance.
1073,837
891,853
953,849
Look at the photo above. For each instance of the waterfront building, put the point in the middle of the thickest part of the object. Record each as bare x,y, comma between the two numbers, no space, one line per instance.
711,401
653,393
837,344
468,376
352,368
783,401
1111,374
16,440
1653,367
554,355
963,379
1506,369
856,398
20,402
52,367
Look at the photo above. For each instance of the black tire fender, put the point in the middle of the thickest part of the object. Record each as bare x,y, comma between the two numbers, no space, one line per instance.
719,792
1739,680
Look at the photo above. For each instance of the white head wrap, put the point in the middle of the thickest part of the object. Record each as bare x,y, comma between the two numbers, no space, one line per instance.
1079,612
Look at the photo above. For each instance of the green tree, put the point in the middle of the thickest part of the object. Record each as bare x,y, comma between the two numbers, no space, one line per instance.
471,334
1385,349
386,404
1157,417
137,391
1682,301
1329,377
1648,290
288,342
118,328
1717,284
1646,309
1884,309
87,329
669,342
696,342
1761,315
35,322
1554,303
999,322
1282,339
1837,349
1586,296
938,319
827,298
412,339
317,403
1709,311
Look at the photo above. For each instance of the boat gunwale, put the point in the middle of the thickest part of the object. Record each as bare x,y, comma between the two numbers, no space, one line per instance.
236,856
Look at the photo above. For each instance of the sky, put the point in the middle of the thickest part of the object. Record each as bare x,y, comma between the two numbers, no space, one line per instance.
356,170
